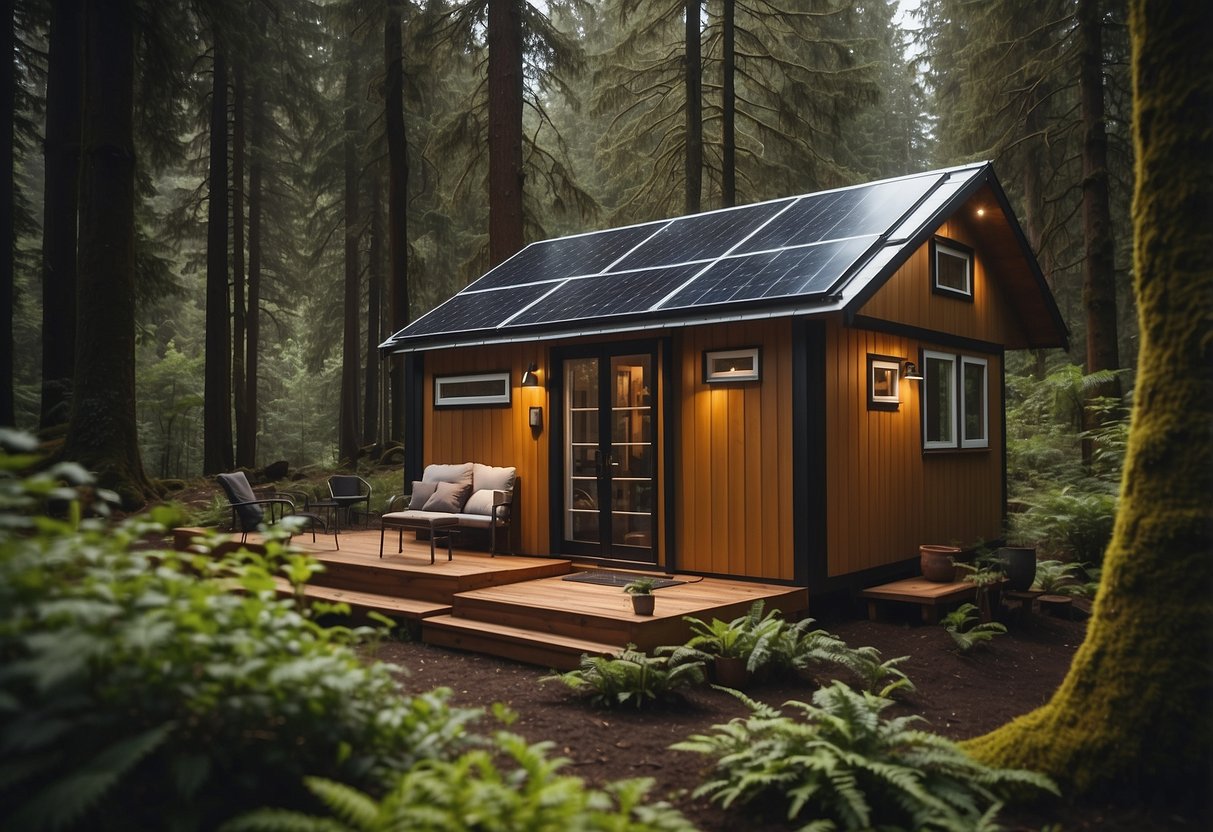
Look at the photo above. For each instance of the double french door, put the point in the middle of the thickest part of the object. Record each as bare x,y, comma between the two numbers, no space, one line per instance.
610,454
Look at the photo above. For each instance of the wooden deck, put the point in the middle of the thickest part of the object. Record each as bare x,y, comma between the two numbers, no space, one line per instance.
516,607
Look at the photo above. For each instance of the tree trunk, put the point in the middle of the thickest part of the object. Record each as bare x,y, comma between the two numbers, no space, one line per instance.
244,458
694,109
217,393
252,335
1098,265
60,209
397,200
351,344
374,293
1133,713
505,129
102,433
8,79
728,161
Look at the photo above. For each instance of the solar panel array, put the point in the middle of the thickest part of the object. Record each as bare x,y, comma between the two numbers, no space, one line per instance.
797,248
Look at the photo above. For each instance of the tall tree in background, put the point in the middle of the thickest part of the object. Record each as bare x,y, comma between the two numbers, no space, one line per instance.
347,442
693,103
1133,714
60,193
102,433
398,196
217,406
505,128
245,444
247,427
374,308
8,236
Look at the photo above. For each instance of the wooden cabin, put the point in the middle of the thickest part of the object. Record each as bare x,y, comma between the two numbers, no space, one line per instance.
798,391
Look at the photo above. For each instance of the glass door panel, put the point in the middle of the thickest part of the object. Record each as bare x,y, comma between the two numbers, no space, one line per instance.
609,455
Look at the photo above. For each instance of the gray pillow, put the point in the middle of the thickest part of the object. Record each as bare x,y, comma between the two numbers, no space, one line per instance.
422,491
449,497
493,479
480,503
448,473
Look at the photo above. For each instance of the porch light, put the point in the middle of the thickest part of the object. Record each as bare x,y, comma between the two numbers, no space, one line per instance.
531,377
910,373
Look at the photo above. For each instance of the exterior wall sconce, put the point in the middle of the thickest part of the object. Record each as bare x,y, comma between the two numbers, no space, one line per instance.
909,373
531,377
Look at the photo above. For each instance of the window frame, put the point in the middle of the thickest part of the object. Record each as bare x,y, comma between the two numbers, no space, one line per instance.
953,441
982,441
734,376
502,399
955,249
884,362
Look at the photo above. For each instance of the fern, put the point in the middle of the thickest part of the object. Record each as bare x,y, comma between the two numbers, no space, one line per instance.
966,629
633,677
848,767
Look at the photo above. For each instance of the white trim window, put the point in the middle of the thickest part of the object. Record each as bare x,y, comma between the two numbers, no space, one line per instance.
938,400
884,376
951,268
731,365
472,391
974,402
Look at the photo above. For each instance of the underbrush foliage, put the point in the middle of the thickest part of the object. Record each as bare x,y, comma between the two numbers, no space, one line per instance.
846,766
966,628
633,678
513,786
1054,577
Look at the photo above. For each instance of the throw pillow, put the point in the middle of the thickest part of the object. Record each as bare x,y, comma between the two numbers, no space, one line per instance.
480,503
449,497
422,491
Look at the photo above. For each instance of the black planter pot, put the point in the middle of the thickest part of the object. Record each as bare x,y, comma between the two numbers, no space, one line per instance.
1019,564
643,604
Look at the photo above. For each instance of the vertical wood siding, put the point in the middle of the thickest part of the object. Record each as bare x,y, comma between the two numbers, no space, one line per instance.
733,483
496,435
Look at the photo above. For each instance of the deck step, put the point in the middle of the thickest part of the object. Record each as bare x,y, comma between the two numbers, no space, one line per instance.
390,605
520,644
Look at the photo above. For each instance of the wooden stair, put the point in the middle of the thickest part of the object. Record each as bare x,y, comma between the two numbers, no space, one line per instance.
517,643
392,606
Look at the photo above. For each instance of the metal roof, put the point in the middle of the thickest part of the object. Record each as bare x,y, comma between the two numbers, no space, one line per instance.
816,253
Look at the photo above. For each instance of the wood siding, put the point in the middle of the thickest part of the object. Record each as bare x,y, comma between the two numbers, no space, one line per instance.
496,435
733,483
906,298
885,495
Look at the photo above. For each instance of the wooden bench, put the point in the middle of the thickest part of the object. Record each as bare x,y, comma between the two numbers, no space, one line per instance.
931,596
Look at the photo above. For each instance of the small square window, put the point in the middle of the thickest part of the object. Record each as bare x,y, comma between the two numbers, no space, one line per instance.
471,391
884,377
731,365
951,269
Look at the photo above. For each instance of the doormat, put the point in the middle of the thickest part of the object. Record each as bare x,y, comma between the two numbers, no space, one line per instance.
617,579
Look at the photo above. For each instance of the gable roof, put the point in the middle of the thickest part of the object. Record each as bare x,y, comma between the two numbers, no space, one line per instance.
821,252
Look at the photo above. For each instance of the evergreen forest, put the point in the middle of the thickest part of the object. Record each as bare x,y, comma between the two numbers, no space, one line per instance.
220,208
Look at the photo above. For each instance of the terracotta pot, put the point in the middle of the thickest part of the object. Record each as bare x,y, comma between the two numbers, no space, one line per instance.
643,604
730,671
1019,564
937,562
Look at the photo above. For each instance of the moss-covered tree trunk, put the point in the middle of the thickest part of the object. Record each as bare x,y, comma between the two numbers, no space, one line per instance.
1135,712
102,433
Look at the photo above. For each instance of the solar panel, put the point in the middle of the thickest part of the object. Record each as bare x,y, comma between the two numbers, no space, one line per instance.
475,310
700,237
801,247
567,256
609,294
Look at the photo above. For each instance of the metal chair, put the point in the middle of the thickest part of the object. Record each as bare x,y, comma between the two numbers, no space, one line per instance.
249,511
347,491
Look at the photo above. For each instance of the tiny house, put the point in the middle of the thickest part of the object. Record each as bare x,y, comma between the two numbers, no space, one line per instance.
797,391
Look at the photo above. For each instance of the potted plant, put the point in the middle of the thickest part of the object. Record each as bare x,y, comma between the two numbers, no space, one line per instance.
641,591
938,563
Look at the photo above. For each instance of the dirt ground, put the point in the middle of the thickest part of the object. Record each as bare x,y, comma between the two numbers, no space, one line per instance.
960,696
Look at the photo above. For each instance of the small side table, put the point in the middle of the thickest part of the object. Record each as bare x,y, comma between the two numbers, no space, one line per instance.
331,509
435,523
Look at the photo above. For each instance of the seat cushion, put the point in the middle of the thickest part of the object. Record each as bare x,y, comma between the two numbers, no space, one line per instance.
488,478
458,474
449,497
420,518
422,491
474,521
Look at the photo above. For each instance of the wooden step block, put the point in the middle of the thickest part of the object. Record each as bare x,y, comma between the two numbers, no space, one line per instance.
389,605
529,646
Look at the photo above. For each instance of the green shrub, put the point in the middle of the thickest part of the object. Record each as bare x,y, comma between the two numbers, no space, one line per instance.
767,642
847,767
138,691
1074,520
965,627
633,677
519,788
1054,577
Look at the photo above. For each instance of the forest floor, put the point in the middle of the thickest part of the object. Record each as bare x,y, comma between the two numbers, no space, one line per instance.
959,696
